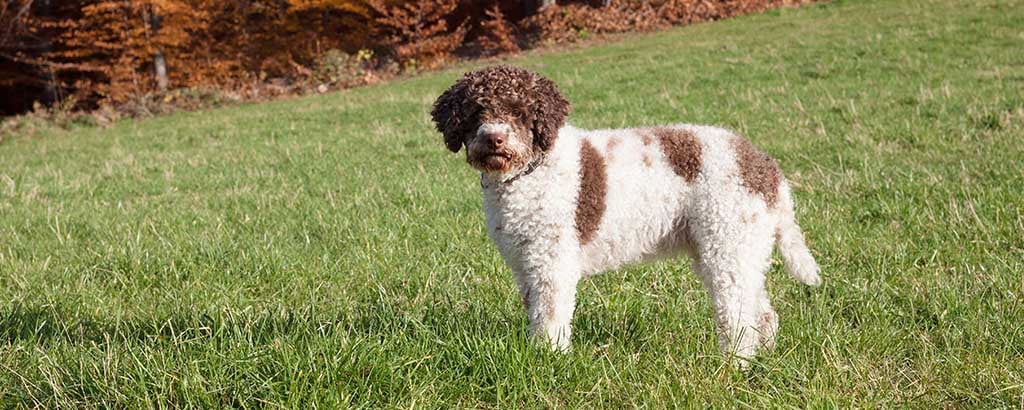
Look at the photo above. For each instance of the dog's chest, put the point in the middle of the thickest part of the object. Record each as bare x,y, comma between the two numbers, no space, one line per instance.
526,210
530,212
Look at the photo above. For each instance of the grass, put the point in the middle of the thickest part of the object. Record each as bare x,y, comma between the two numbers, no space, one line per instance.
328,251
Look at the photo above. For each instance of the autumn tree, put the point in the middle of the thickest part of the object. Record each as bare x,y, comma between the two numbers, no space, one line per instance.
120,49
333,24
125,52
498,36
357,7
417,32
16,27
531,7
24,76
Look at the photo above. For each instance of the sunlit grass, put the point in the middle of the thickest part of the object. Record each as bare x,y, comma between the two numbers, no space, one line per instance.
329,251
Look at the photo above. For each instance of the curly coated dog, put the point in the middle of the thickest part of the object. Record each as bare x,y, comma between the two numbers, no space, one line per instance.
563,203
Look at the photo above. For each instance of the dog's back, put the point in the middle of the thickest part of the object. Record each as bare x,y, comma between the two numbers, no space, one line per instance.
660,181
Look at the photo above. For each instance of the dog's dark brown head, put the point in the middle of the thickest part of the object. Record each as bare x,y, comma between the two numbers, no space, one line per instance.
505,116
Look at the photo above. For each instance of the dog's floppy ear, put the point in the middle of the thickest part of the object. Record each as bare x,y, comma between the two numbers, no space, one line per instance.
449,116
550,110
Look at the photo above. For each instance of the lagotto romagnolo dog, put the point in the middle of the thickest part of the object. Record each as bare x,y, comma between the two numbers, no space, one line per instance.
563,203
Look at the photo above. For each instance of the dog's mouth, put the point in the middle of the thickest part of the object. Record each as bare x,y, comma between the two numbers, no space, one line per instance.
497,156
492,161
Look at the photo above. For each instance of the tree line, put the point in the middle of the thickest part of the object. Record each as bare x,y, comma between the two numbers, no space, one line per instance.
86,53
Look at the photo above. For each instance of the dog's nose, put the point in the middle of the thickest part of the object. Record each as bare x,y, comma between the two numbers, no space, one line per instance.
496,138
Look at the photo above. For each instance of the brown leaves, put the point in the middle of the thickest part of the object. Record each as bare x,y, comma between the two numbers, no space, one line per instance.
498,36
574,22
418,32
107,51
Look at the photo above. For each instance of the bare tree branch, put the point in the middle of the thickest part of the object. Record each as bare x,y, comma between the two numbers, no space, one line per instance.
22,12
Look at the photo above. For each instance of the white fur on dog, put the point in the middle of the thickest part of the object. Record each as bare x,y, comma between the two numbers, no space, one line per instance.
650,212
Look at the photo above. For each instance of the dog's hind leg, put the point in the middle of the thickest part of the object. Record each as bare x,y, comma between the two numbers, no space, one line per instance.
767,320
733,269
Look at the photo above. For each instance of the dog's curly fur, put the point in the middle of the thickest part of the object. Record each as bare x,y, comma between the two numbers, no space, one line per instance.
503,90
563,203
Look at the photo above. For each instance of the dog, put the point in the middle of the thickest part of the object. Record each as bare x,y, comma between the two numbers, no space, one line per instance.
563,203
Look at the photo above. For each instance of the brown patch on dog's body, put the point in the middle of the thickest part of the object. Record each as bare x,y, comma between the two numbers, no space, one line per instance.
610,148
645,138
612,142
591,202
647,160
682,149
760,173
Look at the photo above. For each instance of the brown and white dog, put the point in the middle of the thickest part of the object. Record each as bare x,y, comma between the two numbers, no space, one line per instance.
564,203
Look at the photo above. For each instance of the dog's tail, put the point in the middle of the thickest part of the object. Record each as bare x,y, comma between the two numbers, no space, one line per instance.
790,240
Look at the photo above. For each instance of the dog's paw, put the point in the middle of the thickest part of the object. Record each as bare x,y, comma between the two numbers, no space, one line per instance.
557,338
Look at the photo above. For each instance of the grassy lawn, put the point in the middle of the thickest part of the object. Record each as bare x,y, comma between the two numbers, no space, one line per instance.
328,251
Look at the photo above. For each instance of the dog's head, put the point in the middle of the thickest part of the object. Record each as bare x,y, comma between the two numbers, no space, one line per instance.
505,116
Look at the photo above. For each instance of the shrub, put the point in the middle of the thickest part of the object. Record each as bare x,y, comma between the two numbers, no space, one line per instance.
498,36
338,68
569,23
417,31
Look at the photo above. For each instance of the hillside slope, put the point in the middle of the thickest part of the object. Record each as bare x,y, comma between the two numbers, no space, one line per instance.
329,251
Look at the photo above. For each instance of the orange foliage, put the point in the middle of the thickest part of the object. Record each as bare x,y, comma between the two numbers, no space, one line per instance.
109,49
358,7
575,21
418,32
497,37
116,52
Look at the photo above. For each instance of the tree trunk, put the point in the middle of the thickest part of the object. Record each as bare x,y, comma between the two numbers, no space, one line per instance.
51,91
159,62
531,7
160,66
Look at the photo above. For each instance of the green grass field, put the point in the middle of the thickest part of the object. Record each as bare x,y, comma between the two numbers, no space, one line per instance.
329,252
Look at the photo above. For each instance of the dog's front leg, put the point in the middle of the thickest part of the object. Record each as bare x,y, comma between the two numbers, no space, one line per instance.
549,295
